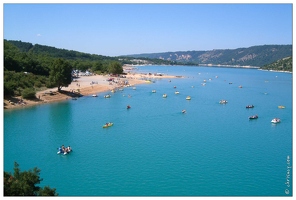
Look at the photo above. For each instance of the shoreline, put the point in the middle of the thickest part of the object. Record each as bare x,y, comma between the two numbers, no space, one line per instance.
83,86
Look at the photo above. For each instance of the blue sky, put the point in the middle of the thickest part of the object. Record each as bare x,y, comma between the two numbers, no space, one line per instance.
122,29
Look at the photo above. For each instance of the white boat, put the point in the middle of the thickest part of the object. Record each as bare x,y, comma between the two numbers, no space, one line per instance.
153,91
188,98
164,95
275,120
94,95
107,96
222,101
177,92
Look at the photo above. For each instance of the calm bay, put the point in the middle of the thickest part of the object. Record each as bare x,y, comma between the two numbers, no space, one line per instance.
153,149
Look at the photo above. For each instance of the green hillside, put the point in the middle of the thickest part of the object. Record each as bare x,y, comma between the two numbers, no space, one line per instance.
284,64
27,67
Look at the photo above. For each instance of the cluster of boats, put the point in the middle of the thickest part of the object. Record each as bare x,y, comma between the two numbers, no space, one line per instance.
176,92
223,101
275,120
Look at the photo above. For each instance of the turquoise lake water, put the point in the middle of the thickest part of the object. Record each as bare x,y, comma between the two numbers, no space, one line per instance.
153,149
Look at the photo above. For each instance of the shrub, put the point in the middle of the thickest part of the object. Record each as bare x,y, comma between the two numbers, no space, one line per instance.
38,84
28,93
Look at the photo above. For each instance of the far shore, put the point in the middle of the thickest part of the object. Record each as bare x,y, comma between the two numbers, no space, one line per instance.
84,86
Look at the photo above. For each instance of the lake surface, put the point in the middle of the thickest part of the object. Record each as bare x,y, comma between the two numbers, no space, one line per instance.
153,149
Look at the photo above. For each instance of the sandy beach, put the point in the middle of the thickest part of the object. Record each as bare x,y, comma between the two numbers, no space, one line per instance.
84,85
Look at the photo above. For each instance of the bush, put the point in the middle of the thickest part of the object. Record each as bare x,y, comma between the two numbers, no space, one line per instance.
9,88
38,84
28,93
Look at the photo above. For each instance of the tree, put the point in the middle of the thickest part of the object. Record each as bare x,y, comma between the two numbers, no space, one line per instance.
115,68
97,66
60,73
24,183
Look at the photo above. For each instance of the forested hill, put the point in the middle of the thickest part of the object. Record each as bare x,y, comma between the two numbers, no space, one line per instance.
70,55
252,56
27,47
28,67
284,64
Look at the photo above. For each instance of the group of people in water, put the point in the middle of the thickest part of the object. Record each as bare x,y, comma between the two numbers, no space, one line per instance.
64,149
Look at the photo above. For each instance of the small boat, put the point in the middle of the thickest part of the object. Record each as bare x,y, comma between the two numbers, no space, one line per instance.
253,117
222,101
164,95
175,87
94,95
134,88
275,120
153,91
108,125
64,151
113,91
74,98
183,111
281,107
240,86
250,106
128,106
177,92
107,96
188,98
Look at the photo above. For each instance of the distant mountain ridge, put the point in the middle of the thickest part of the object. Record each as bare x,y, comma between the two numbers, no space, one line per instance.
251,56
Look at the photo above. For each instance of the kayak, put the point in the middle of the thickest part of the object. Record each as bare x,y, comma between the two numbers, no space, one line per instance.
108,125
